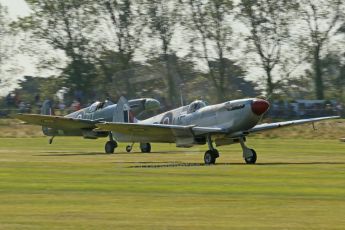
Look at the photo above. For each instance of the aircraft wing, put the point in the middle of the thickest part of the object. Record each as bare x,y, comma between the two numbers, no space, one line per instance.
182,135
57,122
209,130
269,126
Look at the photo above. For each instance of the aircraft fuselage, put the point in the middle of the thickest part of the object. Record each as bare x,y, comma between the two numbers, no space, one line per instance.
99,111
233,115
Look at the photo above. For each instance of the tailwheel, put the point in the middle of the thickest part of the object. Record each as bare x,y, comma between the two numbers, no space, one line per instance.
251,159
110,147
211,156
129,148
145,147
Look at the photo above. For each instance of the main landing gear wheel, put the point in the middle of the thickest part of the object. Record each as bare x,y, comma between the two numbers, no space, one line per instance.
249,155
210,157
110,147
145,147
212,154
252,158
128,148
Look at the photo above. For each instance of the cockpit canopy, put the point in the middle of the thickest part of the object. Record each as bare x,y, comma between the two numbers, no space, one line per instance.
94,106
195,106
99,105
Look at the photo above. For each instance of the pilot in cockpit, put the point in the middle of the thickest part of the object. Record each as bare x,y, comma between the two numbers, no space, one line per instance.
107,102
99,105
195,106
102,105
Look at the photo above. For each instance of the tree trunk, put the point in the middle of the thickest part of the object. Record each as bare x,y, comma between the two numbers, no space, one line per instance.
319,89
222,85
127,76
170,81
269,86
269,81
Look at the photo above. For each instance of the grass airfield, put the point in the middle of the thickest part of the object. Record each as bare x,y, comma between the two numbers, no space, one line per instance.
296,184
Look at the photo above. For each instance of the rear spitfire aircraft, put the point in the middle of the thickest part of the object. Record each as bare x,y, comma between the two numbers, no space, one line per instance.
197,124
83,122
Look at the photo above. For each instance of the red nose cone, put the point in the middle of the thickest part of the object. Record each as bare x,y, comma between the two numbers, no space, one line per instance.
260,106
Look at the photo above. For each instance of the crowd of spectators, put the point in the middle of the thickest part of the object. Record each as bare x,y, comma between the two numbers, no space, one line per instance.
297,109
301,109
12,103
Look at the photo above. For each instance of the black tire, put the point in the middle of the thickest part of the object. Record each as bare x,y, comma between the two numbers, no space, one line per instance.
252,159
128,148
210,157
215,153
145,147
110,147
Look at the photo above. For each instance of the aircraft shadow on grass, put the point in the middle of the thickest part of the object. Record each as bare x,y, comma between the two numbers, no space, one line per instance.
180,164
167,164
302,163
62,153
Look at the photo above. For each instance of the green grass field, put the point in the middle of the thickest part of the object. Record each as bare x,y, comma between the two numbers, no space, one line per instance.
296,184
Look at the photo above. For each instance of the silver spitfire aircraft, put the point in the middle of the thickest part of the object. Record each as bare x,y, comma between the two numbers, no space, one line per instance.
197,124
83,122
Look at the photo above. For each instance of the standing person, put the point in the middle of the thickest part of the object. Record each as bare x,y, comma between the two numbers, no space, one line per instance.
75,106
339,109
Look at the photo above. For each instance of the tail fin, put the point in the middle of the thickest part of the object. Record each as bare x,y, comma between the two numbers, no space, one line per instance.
123,112
47,109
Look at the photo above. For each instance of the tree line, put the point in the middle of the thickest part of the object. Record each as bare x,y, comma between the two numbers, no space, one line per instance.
203,48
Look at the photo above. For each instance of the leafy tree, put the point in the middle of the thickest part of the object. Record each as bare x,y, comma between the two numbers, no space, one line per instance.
210,21
323,18
5,46
163,21
127,24
296,87
4,30
65,26
333,68
45,88
268,23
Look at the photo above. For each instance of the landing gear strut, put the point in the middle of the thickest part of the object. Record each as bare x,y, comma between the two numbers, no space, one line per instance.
212,154
111,145
51,140
249,155
145,147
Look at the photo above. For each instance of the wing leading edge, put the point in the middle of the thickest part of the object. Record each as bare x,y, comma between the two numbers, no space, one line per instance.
57,122
276,125
182,135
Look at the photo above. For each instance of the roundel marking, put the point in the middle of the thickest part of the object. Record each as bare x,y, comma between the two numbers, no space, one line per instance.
167,119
